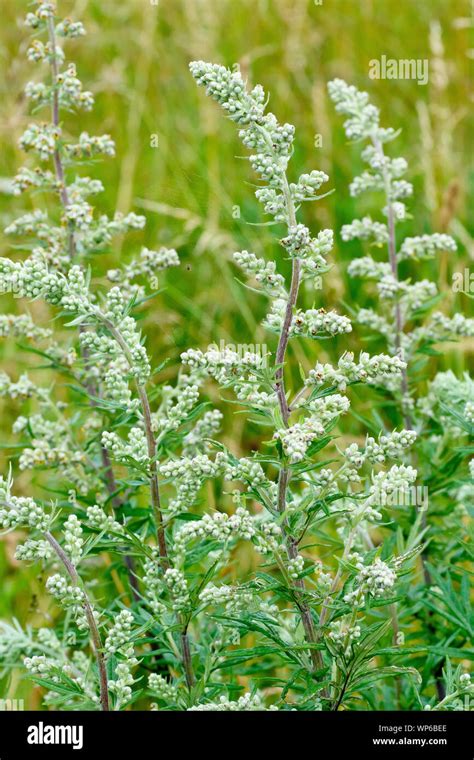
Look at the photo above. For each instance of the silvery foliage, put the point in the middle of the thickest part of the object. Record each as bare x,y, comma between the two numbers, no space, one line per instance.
101,447
437,405
152,605
309,487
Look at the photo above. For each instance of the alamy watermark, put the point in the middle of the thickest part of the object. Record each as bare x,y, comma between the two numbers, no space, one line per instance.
463,282
400,68
12,705
413,496
42,733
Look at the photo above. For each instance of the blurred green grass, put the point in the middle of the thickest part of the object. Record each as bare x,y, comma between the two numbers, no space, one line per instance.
135,59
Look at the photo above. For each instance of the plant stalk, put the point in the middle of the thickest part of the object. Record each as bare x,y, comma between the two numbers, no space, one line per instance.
284,475
151,445
399,329
94,631
392,255
64,197
186,655
155,491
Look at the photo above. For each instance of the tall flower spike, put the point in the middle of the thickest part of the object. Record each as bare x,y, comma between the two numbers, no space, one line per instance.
404,321
402,301
263,388
113,368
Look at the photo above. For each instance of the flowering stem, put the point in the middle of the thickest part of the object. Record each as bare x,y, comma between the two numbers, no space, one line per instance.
335,583
116,502
64,197
297,398
151,444
154,489
186,654
284,337
110,480
154,485
94,631
392,254
58,164
284,475
399,328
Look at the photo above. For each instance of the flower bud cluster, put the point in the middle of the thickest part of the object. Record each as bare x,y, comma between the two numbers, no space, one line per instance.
90,146
296,567
226,366
389,446
20,511
73,538
368,268
22,389
40,17
135,447
235,599
393,486
119,636
22,326
347,371
448,390
41,139
365,229
217,527
116,383
299,244
259,131
307,186
246,470
177,585
172,415
122,684
246,703
374,580
264,273
296,438
317,322
313,323
69,597
145,266
33,550
363,118
194,442
40,665
426,246
161,688
341,634
188,475
99,520
443,327
328,407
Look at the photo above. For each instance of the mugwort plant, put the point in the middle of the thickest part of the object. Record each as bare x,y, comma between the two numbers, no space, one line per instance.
436,405
298,492
178,572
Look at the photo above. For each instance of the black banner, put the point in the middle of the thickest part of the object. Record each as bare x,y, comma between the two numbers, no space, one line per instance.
374,734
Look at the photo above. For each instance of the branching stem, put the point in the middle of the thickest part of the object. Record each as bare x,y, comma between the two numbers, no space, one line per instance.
151,443
154,490
284,475
58,163
91,386
94,631
392,255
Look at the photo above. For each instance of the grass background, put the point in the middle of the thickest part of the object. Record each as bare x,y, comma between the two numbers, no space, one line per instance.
196,191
